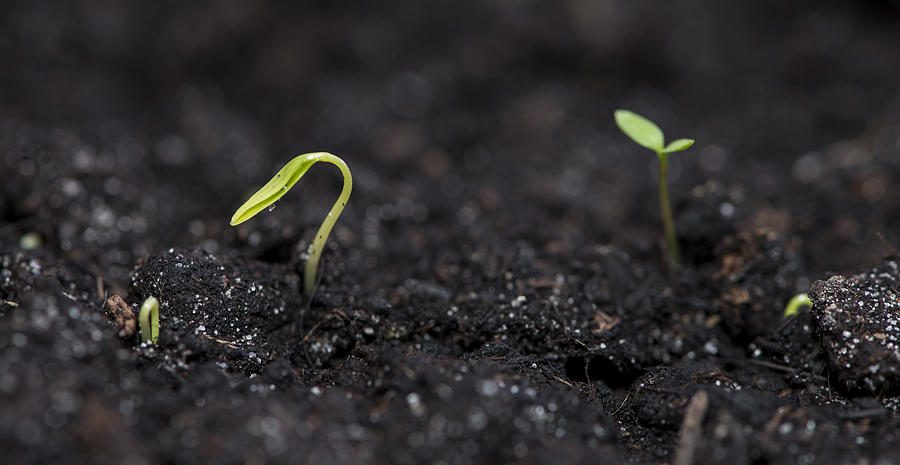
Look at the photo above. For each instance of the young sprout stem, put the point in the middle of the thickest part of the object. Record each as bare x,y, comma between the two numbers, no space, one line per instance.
666,210
318,243
648,135
793,306
273,190
149,320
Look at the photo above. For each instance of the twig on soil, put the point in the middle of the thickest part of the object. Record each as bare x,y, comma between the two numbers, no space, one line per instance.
575,340
691,428
781,368
627,395
773,366
887,244
221,341
311,330
563,381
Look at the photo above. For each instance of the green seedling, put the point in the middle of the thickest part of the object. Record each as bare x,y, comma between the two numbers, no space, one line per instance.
280,184
793,306
149,320
647,134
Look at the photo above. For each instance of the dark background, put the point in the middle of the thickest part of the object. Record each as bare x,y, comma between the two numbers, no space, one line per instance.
169,114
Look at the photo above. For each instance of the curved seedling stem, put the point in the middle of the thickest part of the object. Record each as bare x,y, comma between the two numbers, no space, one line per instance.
280,184
793,306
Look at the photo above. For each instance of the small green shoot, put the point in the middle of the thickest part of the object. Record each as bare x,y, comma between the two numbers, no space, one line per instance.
793,306
647,134
149,320
280,184
30,241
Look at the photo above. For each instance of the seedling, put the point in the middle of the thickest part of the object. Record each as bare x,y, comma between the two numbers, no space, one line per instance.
280,184
647,134
793,306
149,320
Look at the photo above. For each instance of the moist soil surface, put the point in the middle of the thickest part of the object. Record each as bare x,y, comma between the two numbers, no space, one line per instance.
497,289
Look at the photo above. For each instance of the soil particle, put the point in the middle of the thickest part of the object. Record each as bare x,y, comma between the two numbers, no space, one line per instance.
122,315
858,319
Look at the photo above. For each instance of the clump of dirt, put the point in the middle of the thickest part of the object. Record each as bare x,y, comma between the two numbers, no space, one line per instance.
212,310
858,319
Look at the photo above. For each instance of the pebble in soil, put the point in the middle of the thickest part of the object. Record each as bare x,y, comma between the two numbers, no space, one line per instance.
858,320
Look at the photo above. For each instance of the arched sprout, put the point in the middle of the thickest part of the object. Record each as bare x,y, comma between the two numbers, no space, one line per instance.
280,184
793,306
149,320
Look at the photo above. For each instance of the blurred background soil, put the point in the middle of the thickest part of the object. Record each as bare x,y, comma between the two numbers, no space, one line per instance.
487,166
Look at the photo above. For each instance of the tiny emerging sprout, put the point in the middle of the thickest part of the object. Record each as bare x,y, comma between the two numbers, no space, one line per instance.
280,184
647,134
793,306
149,320
30,241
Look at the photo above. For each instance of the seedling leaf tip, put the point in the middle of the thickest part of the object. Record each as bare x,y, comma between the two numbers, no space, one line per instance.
678,145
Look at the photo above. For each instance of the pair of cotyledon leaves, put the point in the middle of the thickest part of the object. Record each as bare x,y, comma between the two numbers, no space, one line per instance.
647,134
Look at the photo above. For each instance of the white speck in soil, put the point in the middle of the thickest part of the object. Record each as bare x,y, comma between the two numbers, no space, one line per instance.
487,388
477,419
414,401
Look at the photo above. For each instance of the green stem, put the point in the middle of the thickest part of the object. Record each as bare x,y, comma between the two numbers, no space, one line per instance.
149,320
315,249
668,223
793,306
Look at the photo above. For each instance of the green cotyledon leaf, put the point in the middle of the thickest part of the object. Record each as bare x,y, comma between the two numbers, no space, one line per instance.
678,145
275,188
641,130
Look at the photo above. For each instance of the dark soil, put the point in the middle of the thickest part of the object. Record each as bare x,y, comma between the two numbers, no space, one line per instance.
497,289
